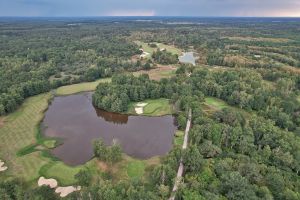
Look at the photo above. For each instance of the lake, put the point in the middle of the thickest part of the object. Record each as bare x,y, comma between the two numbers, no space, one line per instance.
188,57
74,119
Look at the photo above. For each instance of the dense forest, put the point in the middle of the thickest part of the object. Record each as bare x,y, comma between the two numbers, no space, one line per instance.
249,149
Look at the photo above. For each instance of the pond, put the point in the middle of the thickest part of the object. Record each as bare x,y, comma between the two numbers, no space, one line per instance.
188,57
74,119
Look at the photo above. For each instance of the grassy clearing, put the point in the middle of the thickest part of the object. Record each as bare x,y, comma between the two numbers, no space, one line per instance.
159,72
260,39
135,169
179,137
216,103
80,87
154,107
18,132
150,50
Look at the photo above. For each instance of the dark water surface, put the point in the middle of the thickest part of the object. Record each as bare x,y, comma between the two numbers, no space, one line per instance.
74,119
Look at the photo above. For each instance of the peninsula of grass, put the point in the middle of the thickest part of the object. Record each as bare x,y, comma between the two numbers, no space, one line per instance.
80,87
154,107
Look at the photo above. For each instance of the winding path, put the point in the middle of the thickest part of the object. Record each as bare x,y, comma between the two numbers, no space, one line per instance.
184,146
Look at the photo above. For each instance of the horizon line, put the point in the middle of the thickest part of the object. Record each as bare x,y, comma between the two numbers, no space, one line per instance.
183,16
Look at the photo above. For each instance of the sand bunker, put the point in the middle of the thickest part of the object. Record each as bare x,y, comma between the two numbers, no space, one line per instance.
139,108
2,166
65,191
62,191
52,183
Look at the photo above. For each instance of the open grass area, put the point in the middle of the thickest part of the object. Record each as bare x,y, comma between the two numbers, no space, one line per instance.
19,131
150,50
158,73
154,107
135,169
80,87
179,137
218,104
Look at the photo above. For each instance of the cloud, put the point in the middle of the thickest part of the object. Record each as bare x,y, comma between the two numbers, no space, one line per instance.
150,7
131,13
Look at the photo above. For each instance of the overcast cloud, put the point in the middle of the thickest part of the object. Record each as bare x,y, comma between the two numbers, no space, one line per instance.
288,8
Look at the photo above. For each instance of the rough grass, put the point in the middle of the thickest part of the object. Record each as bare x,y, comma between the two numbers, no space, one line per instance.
135,169
179,137
218,104
154,107
260,39
18,132
158,73
80,87
150,50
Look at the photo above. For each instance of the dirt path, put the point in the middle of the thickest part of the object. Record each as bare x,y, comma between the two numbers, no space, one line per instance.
181,166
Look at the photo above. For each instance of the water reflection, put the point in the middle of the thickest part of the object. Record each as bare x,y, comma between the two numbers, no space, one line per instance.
74,119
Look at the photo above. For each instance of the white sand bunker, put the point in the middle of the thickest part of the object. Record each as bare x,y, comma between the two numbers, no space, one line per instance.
52,183
65,191
62,191
2,166
139,108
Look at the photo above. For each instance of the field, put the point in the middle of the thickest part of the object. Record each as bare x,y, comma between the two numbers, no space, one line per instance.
150,50
154,107
159,72
80,87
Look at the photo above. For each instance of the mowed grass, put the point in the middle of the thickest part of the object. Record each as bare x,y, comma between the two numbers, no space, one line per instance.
19,130
150,50
61,172
80,87
154,107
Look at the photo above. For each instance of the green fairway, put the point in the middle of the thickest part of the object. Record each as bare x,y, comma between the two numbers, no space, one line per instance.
19,131
135,169
154,107
150,50
61,172
80,87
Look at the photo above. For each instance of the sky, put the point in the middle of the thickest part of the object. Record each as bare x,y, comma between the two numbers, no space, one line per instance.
69,8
